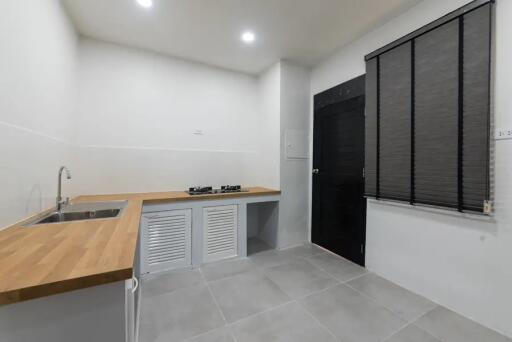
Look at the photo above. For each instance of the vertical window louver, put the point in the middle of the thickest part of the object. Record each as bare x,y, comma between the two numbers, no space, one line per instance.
428,113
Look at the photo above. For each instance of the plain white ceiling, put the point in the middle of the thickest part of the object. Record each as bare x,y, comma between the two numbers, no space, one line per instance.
208,31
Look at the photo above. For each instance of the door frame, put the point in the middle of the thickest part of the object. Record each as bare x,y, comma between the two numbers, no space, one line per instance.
353,88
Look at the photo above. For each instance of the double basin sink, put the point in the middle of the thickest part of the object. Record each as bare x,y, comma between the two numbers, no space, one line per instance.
82,212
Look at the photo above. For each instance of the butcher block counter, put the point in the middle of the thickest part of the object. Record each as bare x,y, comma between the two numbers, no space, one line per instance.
48,259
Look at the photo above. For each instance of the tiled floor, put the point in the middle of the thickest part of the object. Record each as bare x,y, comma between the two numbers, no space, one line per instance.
298,295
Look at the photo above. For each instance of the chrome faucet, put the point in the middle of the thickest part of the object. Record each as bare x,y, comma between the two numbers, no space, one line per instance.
60,202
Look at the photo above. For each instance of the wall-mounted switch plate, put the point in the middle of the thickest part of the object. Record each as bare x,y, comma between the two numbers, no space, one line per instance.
487,207
504,133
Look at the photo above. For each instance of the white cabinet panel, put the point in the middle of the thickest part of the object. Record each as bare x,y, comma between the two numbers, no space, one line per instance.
220,228
166,240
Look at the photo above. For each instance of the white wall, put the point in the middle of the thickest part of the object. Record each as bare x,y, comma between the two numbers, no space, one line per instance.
130,124
138,112
37,68
459,262
294,173
284,96
268,158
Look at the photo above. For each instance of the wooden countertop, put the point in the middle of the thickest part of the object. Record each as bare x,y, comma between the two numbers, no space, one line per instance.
55,258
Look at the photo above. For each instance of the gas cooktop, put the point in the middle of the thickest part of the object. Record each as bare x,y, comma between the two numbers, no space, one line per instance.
205,190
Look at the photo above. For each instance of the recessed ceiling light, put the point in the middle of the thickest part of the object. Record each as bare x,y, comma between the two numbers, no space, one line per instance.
145,3
248,37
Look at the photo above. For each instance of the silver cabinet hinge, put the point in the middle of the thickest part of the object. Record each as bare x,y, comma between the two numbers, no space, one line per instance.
364,173
362,249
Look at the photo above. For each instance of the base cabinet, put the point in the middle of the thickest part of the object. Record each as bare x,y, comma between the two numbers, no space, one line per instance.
97,313
220,232
166,240
190,233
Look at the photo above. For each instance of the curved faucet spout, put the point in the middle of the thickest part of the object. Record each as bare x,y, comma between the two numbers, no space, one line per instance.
59,201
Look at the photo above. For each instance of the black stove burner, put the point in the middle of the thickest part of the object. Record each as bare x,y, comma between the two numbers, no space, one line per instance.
200,190
205,190
231,188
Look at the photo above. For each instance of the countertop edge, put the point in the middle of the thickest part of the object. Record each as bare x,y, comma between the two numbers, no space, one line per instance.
64,286
210,197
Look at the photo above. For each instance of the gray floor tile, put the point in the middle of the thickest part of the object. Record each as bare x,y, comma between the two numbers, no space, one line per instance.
246,294
177,306
406,304
255,245
449,326
166,282
305,251
338,267
270,258
228,268
217,335
352,316
300,278
412,333
288,323
178,315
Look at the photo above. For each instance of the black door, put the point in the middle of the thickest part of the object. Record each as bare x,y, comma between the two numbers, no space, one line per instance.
339,206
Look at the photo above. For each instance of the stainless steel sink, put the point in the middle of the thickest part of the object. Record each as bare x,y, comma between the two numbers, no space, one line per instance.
56,217
83,212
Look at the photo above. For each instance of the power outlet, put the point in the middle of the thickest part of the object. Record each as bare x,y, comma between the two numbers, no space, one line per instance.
504,133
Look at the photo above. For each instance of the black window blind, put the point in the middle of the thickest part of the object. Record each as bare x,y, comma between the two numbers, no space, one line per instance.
428,113
395,123
370,161
436,116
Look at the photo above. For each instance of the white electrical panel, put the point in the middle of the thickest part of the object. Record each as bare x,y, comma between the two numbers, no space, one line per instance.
297,144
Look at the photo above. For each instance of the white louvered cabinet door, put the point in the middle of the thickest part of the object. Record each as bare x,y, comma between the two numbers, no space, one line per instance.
220,232
166,240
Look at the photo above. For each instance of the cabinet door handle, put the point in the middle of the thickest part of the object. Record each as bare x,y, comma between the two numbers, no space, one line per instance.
136,281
